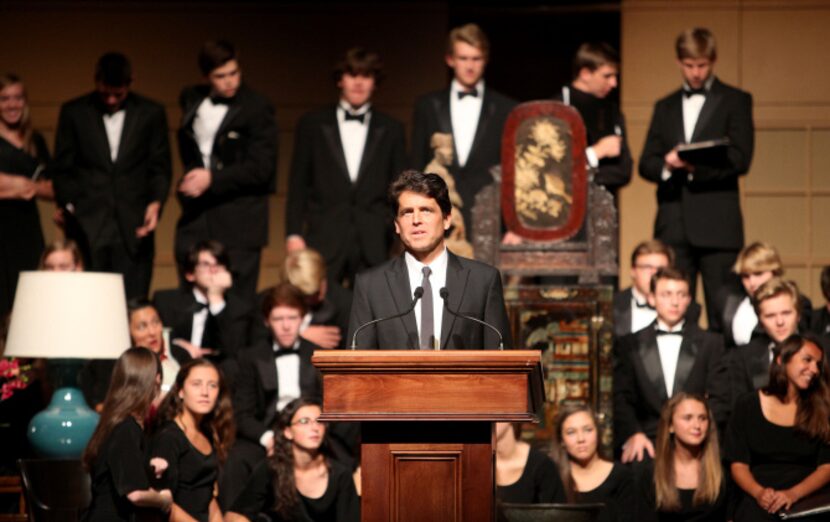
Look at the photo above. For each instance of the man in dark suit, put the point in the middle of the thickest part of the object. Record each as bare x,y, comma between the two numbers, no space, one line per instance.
632,311
699,213
669,357
451,286
472,113
595,69
820,322
206,319
228,145
273,372
345,156
112,173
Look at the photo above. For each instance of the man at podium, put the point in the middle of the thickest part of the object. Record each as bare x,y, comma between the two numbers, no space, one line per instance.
428,298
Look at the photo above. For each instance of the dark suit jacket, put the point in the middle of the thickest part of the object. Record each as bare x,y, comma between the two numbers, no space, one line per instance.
236,322
432,114
332,213
255,398
730,300
702,209
639,387
234,209
622,313
820,321
474,289
600,117
749,366
98,188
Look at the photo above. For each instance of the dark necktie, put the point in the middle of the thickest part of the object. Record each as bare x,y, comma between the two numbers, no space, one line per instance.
688,93
472,93
355,117
427,317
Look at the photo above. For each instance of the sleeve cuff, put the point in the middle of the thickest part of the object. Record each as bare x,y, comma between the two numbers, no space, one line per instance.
267,437
591,156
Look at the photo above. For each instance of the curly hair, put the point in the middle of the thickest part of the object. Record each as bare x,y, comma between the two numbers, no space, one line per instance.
218,425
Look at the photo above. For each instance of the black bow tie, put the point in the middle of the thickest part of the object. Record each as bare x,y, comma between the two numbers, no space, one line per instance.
221,100
691,92
643,305
355,117
472,92
279,352
660,332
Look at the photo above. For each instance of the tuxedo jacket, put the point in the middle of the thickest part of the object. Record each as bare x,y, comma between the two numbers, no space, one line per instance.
602,117
749,366
622,313
639,385
700,208
236,321
243,164
255,398
97,188
474,289
432,114
332,213
730,300
820,321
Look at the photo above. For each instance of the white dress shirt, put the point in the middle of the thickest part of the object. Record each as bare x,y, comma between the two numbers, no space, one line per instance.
642,314
744,322
668,347
114,126
437,280
464,116
206,124
288,375
692,106
200,317
353,135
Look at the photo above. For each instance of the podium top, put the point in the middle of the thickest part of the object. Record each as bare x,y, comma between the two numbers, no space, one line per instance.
363,385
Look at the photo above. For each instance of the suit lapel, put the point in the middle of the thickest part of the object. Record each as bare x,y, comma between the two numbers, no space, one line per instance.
685,360
131,117
650,356
398,280
622,313
759,365
730,308
306,370
233,112
99,132
441,104
373,139
710,106
457,277
488,108
331,132
676,108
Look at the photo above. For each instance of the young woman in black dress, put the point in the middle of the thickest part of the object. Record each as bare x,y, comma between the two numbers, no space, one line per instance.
778,440
587,477
23,157
524,475
115,454
688,482
299,482
196,431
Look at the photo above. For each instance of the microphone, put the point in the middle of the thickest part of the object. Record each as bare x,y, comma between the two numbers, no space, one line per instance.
417,294
444,293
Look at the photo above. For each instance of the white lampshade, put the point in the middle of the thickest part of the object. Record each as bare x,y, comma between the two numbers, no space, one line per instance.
69,315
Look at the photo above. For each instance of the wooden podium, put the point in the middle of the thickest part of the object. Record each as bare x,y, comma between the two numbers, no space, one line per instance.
428,444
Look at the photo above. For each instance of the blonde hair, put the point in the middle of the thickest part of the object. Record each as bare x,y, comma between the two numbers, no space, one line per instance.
306,270
711,472
773,288
470,34
697,42
758,257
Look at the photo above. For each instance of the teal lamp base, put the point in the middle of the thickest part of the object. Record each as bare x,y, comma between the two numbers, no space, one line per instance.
64,428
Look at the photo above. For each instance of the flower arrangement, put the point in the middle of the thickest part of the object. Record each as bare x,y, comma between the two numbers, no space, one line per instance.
13,376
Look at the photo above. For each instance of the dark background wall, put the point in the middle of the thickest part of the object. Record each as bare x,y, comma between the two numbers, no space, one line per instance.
287,51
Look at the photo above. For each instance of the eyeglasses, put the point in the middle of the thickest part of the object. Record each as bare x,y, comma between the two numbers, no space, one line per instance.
307,421
207,265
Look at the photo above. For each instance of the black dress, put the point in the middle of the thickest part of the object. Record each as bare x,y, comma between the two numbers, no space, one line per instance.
190,475
539,483
339,503
615,492
22,237
119,469
779,457
688,512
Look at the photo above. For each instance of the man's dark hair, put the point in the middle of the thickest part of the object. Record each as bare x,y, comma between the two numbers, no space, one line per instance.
825,283
215,248
594,55
671,273
137,303
114,70
359,62
284,294
429,185
215,54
